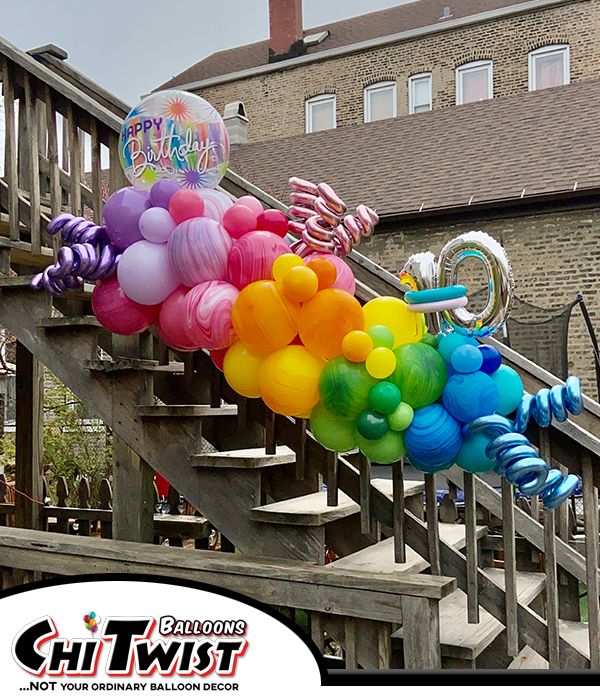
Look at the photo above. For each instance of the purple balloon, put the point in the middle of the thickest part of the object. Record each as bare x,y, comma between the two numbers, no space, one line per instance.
161,193
199,250
122,213
156,225
145,273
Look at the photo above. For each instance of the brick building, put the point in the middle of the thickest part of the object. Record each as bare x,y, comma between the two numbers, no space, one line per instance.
523,166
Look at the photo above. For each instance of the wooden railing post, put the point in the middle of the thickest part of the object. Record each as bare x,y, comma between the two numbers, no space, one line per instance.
421,625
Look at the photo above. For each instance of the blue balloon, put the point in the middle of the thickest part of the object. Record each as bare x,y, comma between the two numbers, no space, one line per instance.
466,359
510,388
433,439
492,359
470,396
448,343
472,457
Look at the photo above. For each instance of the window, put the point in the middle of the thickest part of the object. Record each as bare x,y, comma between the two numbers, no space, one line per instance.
380,101
419,93
474,82
320,113
549,67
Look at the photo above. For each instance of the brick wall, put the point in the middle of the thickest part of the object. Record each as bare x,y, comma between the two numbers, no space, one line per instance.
275,101
553,256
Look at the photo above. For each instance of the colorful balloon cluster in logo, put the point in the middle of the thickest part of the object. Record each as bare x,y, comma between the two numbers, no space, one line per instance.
91,622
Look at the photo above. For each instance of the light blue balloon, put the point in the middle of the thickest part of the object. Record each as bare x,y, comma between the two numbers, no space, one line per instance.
510,388
466,359
471,456
448,343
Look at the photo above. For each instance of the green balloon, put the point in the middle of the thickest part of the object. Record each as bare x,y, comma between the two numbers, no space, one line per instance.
429,339
372,425
385,397
331,431
381,336
401,418
420,374
387,450
344,387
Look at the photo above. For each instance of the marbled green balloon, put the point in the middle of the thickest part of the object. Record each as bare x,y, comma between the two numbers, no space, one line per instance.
420,374
387,450
345,386
331,431
429,339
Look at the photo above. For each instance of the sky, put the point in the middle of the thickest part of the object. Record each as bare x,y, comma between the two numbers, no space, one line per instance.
132,46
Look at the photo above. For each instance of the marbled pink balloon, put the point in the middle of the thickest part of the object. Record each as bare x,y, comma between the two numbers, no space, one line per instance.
199,250
252,256
345,276
172,322
215,203
208,314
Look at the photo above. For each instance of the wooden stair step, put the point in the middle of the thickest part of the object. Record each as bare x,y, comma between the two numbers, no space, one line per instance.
411,488
379,558
576,633
55,322
193,527
186,411
528,658
253,458
310,510
458,638
137,364
18,281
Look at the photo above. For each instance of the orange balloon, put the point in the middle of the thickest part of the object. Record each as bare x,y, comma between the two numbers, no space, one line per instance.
263,318
325,270
289,380
326,319
300,284
356,346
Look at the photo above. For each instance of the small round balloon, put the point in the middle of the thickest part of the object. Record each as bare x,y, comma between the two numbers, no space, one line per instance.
175,135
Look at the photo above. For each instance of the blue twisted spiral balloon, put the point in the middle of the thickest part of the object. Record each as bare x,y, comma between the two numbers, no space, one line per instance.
91,256
516,458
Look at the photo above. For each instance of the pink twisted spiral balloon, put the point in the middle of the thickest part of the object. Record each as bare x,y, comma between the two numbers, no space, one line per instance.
321,226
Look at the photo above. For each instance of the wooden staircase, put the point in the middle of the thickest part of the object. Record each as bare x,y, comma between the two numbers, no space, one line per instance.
261,486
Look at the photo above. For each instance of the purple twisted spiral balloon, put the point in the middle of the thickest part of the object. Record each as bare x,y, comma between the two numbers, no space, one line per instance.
321,226
91,256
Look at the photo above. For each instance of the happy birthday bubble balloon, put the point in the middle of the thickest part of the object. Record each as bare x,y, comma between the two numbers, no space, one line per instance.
175,135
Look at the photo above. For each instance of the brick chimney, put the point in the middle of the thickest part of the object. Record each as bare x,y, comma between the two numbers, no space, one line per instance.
285,26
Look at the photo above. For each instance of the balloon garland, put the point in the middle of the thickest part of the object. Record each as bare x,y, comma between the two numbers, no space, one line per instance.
393,378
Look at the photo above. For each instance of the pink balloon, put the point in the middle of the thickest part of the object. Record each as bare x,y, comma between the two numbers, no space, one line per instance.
218,356
239,220
215,204
172,322
273,220
145,273
117,312
252,257
199,250
156,225
252,203
186,204
345,276
208,311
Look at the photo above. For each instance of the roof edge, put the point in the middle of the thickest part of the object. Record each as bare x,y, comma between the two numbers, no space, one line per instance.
373,43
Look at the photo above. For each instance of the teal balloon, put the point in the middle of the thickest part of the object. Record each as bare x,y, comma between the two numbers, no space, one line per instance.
372,425
448,343
510,388
429,339
472,458
385,397
345,386
420,374
401,418
331,431
381,336
387,450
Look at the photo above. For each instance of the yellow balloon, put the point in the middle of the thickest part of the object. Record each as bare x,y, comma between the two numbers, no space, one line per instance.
289,380
241,367
284,263
356,346
380,363
406,326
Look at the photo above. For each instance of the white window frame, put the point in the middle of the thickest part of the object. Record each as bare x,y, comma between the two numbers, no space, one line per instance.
550,49
316,100
377,87
411,97
466,68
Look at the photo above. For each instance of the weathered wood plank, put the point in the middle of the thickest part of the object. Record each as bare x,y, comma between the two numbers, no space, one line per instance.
471,549
332,478
433,535
590,510
251,458
10,146
365,494
398,501
75,162
186,411
31,132
510,567
421,625
98,201
551,588
53,166
311,510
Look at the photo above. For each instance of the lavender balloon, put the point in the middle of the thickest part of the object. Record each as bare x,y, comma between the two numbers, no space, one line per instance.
161,193
199,250
145,273
156,225
122,213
